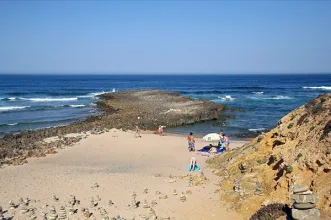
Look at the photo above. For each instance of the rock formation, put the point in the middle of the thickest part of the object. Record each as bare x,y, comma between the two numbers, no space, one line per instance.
119,110
303,204
296,152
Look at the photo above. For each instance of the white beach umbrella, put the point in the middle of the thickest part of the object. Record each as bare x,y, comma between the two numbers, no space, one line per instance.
212,137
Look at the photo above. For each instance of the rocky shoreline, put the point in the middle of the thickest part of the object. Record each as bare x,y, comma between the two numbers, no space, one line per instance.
121,110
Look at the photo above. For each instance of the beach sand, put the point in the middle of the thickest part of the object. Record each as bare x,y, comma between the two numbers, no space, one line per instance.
119,164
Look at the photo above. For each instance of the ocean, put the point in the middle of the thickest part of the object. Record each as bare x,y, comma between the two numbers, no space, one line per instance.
39,101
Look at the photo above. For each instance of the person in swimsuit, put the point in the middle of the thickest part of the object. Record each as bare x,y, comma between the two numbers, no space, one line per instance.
137,134
191,142
227,142
193,163
161,130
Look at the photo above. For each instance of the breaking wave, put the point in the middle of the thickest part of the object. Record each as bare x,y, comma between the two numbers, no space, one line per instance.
278,97
226,98
257,129
50,99
77,106
317,87
12,108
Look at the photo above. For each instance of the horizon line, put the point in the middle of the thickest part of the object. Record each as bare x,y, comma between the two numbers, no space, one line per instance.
161,73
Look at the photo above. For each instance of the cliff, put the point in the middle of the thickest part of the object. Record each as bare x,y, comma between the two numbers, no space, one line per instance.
296,152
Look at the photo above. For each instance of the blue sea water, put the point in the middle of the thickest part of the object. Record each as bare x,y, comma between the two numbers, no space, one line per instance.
38,101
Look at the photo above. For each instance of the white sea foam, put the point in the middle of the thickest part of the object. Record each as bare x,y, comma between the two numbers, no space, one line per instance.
317,87
226,98
10,108
94,94
12,98
12,124
258,93
50,99
77,106
278,97
281,97
257,129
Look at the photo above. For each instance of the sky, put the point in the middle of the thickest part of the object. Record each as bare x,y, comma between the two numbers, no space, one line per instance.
165,36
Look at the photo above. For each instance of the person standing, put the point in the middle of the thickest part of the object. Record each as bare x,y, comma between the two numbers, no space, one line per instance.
161,130
137,134
191,142
227,142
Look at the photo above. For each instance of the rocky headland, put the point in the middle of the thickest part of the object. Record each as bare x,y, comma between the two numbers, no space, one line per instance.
121,110
296,152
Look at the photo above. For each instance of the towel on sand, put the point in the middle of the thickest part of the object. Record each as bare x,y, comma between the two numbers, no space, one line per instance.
196,168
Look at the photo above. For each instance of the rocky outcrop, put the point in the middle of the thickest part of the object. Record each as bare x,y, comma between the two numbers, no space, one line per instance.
296,152
122,110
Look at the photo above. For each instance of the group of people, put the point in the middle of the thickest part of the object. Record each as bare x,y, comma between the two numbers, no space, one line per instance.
224,142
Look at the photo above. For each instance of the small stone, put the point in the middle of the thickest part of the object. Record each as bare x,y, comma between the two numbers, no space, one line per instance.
92,203
299,189
110,203
11,205
24,209
55,199
153,203
145,204
72,200
175,192
98,198
87,213
182,197
309,214
62,213
71,210
152,215
21,201
157,193
303,206
95,185
33,217
52,215
145,191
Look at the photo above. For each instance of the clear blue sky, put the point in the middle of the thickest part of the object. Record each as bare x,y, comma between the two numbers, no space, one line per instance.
165,37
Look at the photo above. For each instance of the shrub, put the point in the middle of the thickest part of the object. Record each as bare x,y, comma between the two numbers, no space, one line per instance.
271,212
312,128
290,126
289,169
299,155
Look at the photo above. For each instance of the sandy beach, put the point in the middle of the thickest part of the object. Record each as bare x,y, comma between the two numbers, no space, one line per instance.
120,164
